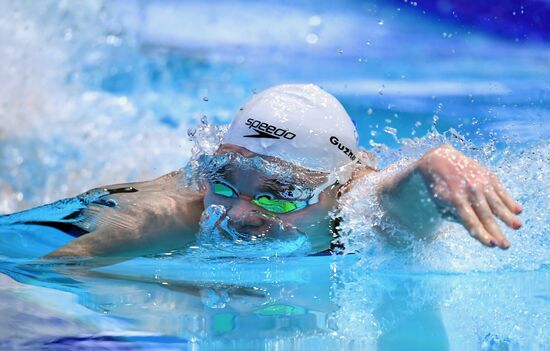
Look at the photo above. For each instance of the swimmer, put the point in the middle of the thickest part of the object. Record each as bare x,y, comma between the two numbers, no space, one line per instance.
288,157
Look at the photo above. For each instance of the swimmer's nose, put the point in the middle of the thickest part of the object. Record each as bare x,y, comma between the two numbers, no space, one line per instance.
243,215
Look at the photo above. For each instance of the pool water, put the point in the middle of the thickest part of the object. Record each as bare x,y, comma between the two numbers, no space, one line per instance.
105,92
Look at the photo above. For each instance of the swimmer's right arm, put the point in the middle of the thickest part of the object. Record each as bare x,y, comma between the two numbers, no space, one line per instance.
157,218
444,182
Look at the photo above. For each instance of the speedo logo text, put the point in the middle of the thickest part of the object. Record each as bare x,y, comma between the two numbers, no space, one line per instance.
266,130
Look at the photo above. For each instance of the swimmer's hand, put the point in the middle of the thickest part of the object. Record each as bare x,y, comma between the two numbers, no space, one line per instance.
446,182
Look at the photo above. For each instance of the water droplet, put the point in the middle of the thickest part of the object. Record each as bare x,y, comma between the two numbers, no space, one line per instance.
315,21
340,51
390,130
204,120
369,111
205,98
68,34
368,42
312,38
434,120
381,22
113,40
373,133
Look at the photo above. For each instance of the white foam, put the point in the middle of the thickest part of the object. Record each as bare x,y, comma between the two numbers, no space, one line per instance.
60,135
522,170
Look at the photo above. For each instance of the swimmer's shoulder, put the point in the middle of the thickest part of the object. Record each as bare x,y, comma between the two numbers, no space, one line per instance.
173,182
136,204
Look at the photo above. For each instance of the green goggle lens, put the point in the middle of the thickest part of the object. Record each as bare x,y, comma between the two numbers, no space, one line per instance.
278,206
223,190
272,205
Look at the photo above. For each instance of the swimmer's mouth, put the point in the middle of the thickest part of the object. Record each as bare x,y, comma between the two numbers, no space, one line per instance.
239,236
229,232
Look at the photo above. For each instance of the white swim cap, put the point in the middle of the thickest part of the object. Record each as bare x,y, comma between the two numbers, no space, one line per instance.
298,123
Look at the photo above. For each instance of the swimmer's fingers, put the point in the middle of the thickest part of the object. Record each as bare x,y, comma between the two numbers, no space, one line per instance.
501,210
486,217
471,222
506,198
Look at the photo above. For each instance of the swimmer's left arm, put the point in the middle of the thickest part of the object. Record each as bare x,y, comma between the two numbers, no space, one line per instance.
445,182
153,217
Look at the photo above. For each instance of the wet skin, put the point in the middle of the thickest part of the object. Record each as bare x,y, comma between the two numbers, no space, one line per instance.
460,188
256,222
449,183
245,217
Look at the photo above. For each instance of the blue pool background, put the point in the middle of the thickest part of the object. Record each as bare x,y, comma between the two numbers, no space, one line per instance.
103,92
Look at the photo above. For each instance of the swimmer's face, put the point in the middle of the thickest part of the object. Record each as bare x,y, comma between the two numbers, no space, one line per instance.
242,186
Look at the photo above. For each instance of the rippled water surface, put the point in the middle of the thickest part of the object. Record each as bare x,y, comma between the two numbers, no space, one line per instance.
101,93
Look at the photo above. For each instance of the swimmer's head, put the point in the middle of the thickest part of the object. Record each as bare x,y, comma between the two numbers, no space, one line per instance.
301,124
306,133
265,200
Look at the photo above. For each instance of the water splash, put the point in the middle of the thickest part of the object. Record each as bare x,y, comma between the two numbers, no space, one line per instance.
521,169
205,163
218,238
65,112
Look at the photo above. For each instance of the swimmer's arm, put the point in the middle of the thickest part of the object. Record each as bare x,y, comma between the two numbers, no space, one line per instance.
110,244
157,218
445,183
408,204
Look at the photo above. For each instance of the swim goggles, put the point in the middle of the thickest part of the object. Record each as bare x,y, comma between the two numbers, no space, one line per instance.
265,201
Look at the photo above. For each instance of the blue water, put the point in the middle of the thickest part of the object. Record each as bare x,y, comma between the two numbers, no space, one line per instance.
100,93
